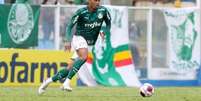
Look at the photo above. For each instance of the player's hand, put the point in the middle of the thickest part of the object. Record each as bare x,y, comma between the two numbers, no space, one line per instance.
67,46
102,34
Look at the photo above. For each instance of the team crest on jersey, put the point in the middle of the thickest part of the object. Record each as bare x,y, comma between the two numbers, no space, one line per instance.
100,15
20,22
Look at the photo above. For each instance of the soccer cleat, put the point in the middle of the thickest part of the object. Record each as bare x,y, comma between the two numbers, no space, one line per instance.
66,85
66,88
41,91
43,86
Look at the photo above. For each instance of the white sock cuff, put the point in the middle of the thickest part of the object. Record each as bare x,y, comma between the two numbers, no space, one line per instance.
67,81
49,80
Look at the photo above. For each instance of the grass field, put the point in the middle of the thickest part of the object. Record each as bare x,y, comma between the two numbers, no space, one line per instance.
99,94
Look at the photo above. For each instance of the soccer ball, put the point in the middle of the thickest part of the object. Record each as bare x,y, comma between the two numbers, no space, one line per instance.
146,90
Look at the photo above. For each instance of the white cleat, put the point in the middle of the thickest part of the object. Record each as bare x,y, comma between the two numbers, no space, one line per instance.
44,85
66,85
66,88
41,91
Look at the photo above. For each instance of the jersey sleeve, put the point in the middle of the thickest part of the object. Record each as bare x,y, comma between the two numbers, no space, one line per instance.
70,26
107,19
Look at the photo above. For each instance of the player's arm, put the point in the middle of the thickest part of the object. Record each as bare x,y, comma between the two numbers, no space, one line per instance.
69,35
70,26
107,19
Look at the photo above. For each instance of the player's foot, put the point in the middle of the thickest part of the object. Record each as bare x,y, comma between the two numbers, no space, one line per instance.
44,85
66,88
66,85
41,91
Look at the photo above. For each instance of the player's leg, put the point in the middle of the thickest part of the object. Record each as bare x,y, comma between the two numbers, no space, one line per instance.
78,62
62,73
81,47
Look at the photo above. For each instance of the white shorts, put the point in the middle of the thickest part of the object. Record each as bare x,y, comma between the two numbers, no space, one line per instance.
77,43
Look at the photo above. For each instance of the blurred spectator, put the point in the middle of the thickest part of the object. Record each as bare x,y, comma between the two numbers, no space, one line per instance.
153,1
134,34
23,1
80,2
135,54
70,2
105,2
63,2
134,31
49,1
162,1
11,1
1,1
66,2
46,39
134,2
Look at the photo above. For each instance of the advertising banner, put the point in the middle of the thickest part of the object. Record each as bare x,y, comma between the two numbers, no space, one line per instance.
30,67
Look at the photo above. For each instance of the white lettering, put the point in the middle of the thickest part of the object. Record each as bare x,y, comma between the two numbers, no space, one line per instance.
92,25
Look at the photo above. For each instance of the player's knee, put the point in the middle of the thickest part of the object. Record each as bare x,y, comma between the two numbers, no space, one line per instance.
70,64
83,54
84,57
69,67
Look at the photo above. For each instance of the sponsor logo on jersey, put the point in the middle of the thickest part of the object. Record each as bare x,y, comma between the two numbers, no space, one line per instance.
92,25
20,22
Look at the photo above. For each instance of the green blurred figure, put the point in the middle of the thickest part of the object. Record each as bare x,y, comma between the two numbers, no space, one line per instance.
80,2
23,1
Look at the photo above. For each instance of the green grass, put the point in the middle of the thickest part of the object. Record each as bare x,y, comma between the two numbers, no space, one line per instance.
99,94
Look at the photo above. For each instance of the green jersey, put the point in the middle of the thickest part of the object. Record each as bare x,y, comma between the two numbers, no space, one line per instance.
88,24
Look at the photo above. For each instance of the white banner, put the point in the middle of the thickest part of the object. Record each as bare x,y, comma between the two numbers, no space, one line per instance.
184,40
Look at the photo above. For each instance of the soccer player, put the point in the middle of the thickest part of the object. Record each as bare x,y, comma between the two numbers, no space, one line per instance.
88,21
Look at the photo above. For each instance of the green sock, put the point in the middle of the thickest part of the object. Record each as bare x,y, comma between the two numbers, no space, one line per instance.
62,73
76,66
